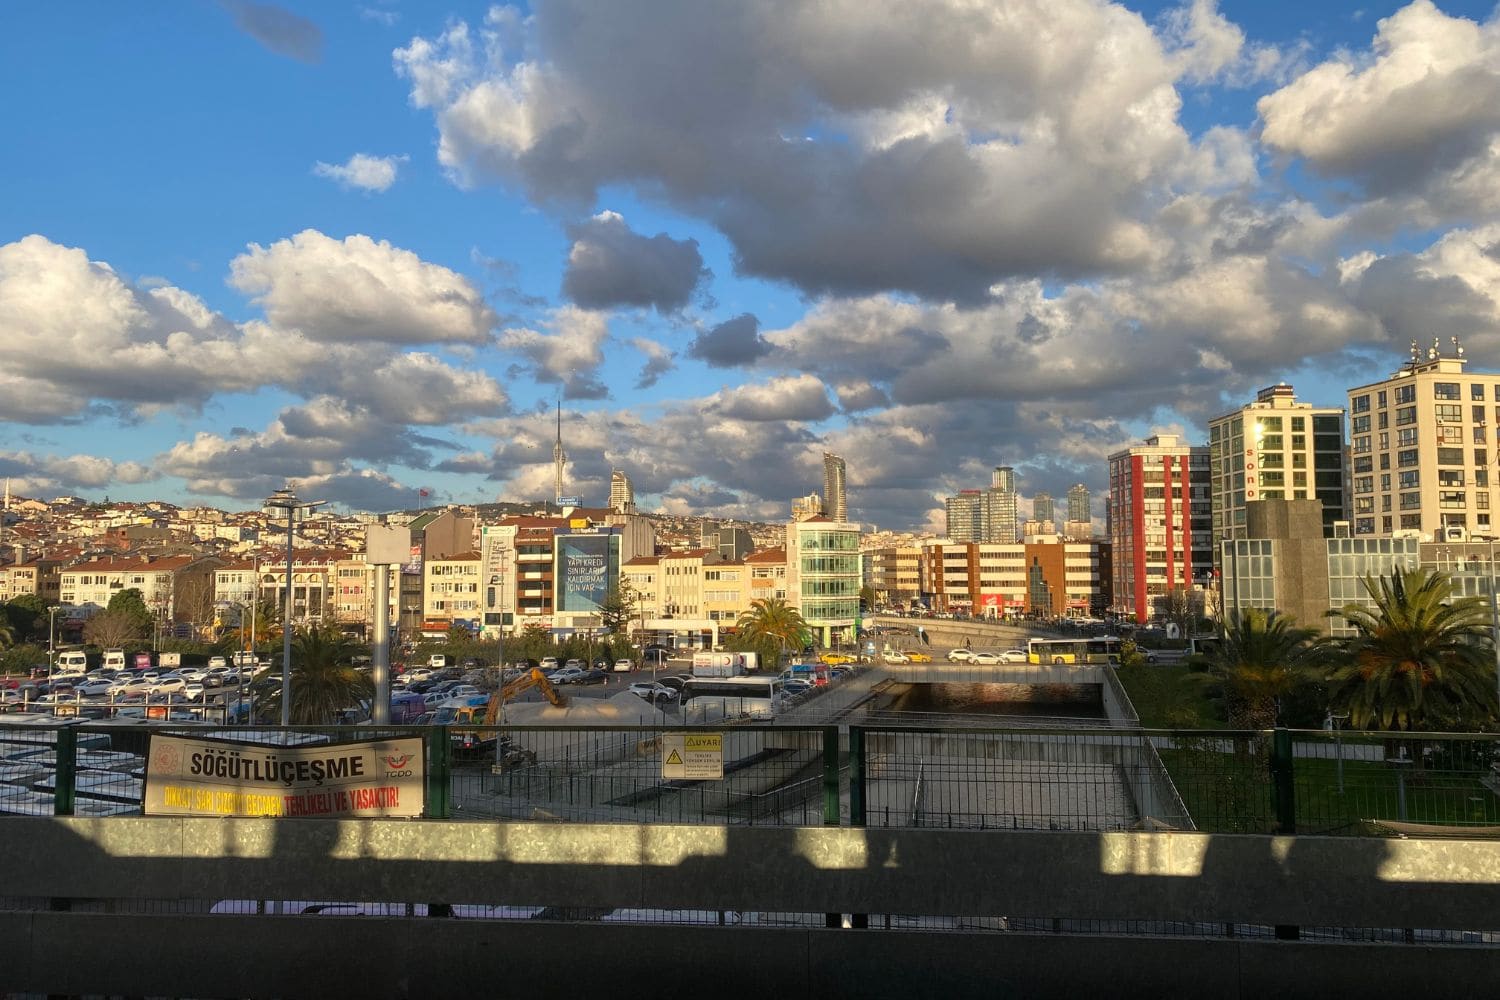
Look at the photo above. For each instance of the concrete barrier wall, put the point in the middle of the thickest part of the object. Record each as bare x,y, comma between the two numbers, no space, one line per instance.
1315,881
378,958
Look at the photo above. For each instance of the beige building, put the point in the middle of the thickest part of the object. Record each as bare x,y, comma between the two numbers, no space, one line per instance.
1275,448
42,577
451,589
1420,446
895,573
1044,576
174,588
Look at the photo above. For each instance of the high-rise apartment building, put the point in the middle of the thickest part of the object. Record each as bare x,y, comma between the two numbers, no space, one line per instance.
621,495
1079,504
1162,527
966,516
1420,444
1275,449
835,495
1003,478
1042,510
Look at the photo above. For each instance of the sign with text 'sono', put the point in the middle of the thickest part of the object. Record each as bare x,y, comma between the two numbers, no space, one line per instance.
187,776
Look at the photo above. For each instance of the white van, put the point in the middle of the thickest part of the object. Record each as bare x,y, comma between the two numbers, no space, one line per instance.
437,661
72,662
114,659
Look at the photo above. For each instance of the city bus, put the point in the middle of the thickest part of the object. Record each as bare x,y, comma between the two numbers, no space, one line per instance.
714,699
1100,649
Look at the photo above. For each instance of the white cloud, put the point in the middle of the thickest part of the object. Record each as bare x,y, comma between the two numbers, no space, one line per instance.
363,171
569,354
1421,108
797,397
358,290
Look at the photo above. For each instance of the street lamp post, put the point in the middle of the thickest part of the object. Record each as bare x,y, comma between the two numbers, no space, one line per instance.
286,499
52,639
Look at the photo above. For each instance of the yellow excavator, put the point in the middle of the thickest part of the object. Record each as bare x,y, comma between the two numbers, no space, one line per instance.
469,742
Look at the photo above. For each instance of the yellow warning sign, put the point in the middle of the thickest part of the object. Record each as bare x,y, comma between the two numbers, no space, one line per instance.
692,756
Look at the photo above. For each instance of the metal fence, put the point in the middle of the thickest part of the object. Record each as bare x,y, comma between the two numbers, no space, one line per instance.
881,774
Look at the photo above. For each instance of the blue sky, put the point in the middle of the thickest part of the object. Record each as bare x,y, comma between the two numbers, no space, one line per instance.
728,238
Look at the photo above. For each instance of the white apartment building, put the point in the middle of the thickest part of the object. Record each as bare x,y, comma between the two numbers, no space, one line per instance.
1420,446
1275,448
450,588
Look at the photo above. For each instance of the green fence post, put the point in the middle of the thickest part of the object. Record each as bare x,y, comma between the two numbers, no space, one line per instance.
439,774
64,791
831,776
1283,787
857,800
856,776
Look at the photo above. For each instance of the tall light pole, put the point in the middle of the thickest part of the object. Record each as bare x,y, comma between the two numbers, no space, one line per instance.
52,639
286,499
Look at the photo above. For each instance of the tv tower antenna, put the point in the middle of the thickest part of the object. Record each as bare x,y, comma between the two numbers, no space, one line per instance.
559,459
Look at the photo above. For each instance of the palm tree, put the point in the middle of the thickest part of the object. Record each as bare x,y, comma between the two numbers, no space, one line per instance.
1419,659
1265,656
324,682
772,620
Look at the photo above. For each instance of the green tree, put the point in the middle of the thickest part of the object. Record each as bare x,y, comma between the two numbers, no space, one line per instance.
1264,658
618,609
323,680
131,603
27,616
773,620
7,635
1420,659
866,597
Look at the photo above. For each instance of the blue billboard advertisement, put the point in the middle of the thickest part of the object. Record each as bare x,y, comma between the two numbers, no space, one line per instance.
586,567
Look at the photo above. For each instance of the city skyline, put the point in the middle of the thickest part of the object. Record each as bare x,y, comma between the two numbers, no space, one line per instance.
209,290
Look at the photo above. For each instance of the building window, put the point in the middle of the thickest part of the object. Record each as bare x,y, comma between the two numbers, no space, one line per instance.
1450,456
1444,390
1406,458
1361,445
1410,501
1406,394
1408,480
1406,436
1406,415
1361,425
1482,500
1364,464
1452,499
1476,390
1447,413
1361,404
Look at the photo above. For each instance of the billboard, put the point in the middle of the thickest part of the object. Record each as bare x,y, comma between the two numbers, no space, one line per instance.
188,776
586,567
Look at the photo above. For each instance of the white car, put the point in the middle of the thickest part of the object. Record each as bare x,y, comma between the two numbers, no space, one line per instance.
464,691
217,662
417,674
549,664
567,675
170,684
624,666
1013,656
986,659
193,691
95,688
192,674
959,656
652,691
896,656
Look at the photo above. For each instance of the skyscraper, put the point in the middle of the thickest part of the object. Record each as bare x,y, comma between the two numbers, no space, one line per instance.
835,499
1079,504
966,516
1001,519
1042,509
559,459
621,495
1278,449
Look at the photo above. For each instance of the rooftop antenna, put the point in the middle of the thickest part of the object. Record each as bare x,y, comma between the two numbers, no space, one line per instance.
1458,349
1432,352
1416,352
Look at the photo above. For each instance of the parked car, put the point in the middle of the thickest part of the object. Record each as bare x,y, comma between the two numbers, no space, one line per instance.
193,691
1013,656
624,666
193,674
896,656
217,661
567,675
417,674
463,691
675,681
796,686
960,655
574,663
169,684
985,659
594,676
549,664
95,688
653,691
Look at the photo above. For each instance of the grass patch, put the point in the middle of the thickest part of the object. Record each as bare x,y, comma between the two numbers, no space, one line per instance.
1164,699
1232,792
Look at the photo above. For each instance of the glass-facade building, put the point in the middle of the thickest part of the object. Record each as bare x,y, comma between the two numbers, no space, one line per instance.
825,573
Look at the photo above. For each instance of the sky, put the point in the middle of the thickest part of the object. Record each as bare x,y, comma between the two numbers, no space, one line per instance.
366,248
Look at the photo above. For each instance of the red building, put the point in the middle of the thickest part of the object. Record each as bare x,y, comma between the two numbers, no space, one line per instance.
1161,522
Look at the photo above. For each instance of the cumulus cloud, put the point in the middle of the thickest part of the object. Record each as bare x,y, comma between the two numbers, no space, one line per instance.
278,29
362,171
569,354
1420,110
360,289
611,265
659,360
799,397
732,344
842,147
49,475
